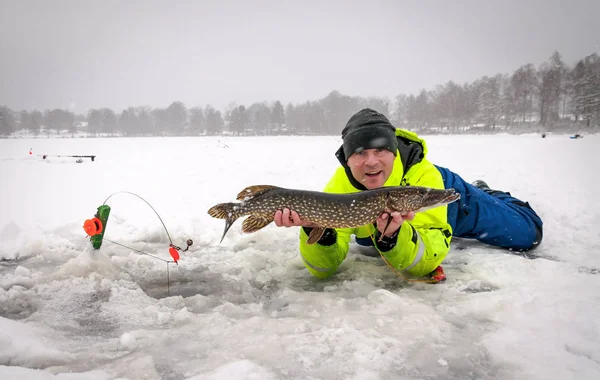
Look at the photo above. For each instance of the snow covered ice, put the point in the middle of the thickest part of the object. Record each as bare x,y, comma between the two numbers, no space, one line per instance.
246,308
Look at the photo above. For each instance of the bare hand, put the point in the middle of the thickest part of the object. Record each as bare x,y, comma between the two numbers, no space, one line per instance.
395,223
289,218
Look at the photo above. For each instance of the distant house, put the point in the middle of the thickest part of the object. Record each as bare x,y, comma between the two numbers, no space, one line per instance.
80,125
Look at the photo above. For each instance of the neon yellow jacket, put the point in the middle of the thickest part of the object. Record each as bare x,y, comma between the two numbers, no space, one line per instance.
422,243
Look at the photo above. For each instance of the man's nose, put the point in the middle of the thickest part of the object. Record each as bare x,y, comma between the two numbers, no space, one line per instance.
370,159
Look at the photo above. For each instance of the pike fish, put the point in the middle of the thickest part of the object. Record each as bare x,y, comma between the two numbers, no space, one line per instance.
327,210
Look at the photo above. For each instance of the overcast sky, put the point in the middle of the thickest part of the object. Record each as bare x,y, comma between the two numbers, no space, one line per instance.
89,54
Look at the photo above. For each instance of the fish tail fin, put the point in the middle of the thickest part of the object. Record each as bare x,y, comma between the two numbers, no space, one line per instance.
225,211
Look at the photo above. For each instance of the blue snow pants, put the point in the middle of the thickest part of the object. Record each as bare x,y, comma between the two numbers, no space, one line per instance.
491,216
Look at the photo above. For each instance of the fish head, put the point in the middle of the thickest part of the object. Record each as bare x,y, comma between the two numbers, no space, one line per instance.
415,198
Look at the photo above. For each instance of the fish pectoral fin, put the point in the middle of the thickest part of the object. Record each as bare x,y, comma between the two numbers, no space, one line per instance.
315,235
389,220
255,222
254,191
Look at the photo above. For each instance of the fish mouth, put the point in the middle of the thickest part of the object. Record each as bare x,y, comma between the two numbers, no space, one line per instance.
435,199
451,198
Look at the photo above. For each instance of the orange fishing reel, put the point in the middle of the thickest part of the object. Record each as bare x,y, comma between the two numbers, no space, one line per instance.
93,226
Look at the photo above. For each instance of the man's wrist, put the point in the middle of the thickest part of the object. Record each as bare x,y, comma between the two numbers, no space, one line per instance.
386,243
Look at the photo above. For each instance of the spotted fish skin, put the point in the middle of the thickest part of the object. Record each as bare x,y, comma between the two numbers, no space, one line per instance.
327,210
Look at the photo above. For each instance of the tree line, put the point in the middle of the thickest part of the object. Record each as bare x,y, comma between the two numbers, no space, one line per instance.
544,98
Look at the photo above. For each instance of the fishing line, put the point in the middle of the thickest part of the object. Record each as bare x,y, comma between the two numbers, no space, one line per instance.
156,257
159,218
424,280
399,274
142,252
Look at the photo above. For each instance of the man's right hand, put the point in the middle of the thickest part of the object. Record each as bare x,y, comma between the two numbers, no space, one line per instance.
290,218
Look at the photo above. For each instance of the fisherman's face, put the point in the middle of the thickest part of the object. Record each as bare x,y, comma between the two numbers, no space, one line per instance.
372,167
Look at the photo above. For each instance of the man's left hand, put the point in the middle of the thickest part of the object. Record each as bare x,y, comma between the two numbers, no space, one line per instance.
395,223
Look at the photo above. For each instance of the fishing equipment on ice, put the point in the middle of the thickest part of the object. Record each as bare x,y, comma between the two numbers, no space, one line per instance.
78,157
95,228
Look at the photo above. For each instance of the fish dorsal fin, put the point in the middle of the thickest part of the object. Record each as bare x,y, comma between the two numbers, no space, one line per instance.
253,191
255,222
315,235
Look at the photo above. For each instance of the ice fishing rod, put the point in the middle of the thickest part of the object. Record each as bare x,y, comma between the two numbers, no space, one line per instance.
95,228
44,156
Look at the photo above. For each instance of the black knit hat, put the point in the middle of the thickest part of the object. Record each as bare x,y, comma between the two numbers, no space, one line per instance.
368,129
